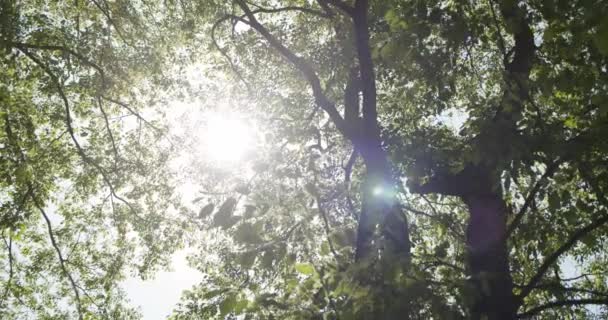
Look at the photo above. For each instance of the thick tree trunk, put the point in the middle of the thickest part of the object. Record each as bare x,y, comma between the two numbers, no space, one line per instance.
488,258
380,213
383,243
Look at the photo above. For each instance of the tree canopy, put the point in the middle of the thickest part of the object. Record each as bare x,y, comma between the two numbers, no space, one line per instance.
407,159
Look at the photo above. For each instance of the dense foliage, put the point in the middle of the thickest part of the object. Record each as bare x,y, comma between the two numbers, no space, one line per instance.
413,160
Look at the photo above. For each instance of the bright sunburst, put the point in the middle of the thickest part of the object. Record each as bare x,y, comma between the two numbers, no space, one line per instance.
228,137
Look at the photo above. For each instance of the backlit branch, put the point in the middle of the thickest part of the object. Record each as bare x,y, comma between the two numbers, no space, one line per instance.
552,258
109,130
79,56
563,303
348,168
9,248
62,261
223,51
552,286
327,228
340,5
260,9
23,47
366,66
132,112
68,121
106,12
531,196
299,63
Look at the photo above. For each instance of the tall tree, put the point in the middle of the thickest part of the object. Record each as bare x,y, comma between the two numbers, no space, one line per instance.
418,159
83,177
387,75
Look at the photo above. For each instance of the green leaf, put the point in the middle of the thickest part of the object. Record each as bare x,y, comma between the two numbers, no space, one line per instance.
554,200
240,306
247,259
571,123
224,218
248,233
206,211
304,268
228,304
601,38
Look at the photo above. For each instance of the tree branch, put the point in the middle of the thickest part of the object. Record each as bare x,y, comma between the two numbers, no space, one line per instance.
291,8
80,57
501,40
558,286
551,259
109,130
223,51
68,121
299,63
340,5
327,228
366,66
574,238
562,303
531,195
348,168
62,261
9,248
133,112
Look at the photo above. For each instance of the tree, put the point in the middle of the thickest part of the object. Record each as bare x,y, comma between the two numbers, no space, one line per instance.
420,159
504,68
81,190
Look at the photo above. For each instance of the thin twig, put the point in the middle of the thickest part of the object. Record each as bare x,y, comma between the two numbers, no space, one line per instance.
563,303
552,258
327,227
299,63
531,196
68,121
9,247
62,261
133,112
109,130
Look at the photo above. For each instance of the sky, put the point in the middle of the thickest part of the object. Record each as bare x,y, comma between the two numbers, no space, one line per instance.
157,297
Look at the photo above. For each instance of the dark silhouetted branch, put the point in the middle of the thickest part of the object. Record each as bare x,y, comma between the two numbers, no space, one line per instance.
340,5
552,258
299,63
109,130
62,261
79,56
9,248
530,198
132,112
68,121
562,303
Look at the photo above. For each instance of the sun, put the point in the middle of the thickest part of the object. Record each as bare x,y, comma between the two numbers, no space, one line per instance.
228,137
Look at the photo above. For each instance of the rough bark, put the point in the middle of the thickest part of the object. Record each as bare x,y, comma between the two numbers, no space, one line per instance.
486,241
380,212
488,259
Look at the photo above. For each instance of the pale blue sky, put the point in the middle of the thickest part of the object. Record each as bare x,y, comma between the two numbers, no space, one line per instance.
157,297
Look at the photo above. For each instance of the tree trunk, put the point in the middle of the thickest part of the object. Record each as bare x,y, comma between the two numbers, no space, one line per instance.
383,243
380,212
488,258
